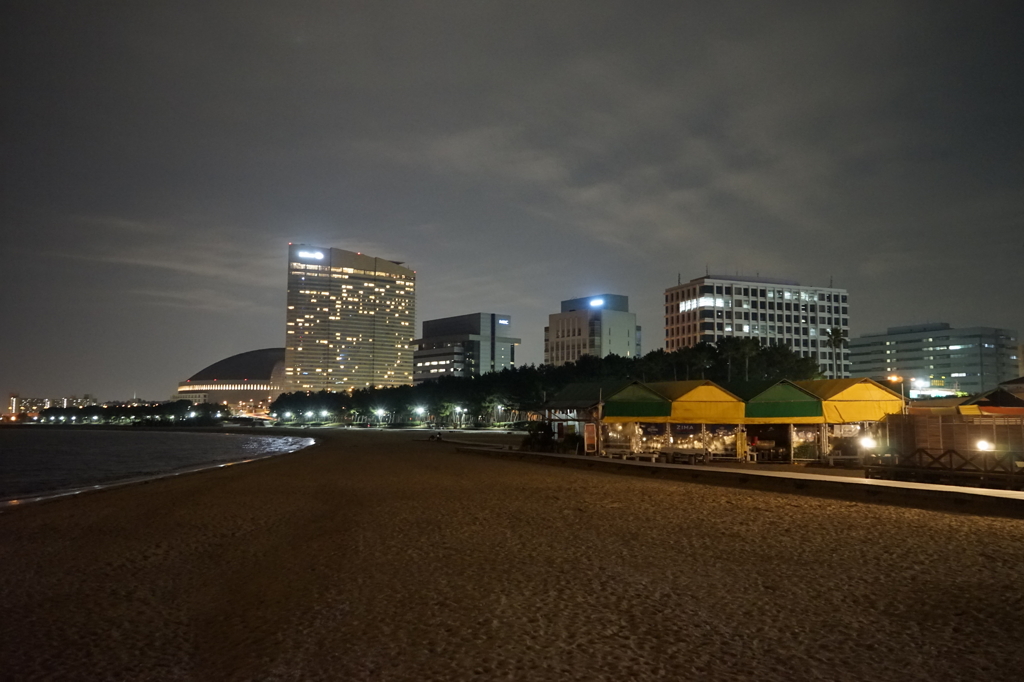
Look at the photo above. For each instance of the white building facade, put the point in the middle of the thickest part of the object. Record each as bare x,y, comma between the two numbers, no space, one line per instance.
595,325
772,311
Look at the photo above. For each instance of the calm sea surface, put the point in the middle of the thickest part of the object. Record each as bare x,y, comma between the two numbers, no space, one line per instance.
40,461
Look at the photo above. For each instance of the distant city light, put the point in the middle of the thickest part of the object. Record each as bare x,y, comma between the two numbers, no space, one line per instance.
984,445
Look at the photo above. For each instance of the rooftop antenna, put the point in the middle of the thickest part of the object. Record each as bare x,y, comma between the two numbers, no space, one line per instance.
679,278
830,282
707,270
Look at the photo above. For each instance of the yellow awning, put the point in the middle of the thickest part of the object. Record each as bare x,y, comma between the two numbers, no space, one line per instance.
700,402
845,401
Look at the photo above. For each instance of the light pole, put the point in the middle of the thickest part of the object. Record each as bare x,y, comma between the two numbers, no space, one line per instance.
894,378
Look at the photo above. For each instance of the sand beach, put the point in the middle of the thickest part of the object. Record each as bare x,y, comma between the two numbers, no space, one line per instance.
380,556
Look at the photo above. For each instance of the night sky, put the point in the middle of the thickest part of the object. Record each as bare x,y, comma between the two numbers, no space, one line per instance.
159,156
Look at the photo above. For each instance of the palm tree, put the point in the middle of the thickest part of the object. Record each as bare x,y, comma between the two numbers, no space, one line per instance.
701,356
728,349
836,339
747,348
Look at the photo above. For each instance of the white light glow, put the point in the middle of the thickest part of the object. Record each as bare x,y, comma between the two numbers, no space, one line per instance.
311,254
868,442
596,302
984,445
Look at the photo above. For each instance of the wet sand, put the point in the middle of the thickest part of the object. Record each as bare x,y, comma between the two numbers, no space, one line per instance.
376,557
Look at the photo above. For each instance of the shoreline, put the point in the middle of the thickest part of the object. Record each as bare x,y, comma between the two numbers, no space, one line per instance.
11,502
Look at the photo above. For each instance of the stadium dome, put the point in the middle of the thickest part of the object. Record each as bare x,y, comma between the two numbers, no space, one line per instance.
247,382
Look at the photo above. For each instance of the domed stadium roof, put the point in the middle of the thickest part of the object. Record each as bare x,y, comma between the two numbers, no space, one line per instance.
255,365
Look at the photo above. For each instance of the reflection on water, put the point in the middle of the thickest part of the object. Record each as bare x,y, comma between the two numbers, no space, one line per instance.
40,460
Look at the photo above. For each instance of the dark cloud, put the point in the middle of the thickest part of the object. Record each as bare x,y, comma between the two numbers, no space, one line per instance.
159,156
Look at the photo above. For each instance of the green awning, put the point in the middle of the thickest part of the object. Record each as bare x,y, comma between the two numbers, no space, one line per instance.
637,400
785,401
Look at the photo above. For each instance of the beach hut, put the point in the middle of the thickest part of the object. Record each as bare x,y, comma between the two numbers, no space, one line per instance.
702,423
618,405
856,400
783,423
852,409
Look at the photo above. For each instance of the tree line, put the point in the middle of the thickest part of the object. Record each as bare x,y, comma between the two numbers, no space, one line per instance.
510,394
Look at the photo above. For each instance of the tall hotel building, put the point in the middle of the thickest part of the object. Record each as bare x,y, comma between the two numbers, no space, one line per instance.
773,311
350,322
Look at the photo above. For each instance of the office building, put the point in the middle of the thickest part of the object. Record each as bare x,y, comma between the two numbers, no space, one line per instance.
350,320
595,325
773,311
937,360
464,346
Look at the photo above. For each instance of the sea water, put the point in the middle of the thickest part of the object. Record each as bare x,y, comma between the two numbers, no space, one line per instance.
37,461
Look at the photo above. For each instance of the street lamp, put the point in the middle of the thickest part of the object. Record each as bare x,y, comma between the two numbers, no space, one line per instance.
894,378
380,416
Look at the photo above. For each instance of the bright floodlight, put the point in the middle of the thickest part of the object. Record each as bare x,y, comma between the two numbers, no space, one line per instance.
287,415
895,378
419,410
379,412
309,414
324,413
868,442
984,445
596,302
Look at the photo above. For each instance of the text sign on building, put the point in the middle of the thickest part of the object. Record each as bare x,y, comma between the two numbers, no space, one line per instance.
500,321
311,254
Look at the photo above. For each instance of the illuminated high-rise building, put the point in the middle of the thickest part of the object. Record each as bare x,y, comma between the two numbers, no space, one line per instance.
350,322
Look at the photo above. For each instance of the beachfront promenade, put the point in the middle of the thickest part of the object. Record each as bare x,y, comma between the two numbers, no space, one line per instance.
377,556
